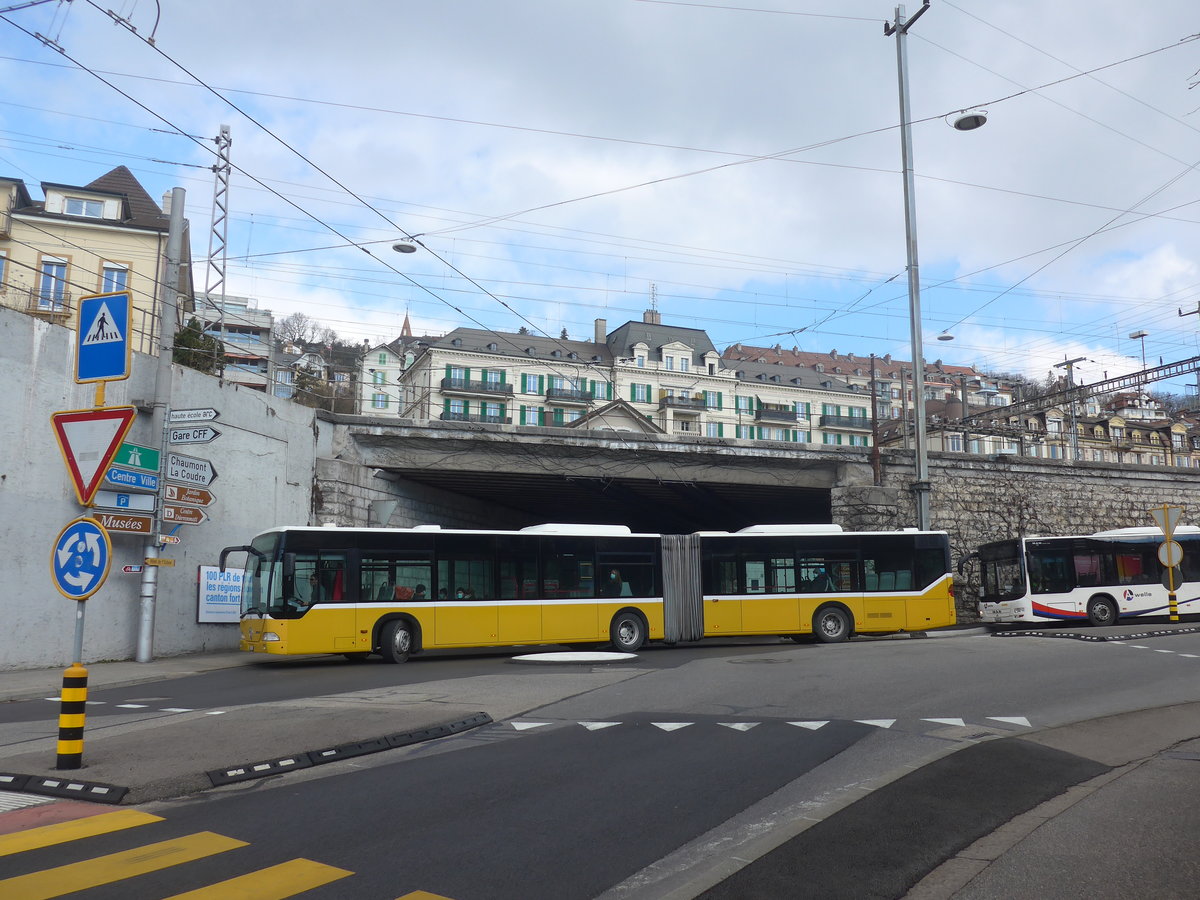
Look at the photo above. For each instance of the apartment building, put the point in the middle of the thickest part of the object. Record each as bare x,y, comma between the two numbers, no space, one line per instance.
102,237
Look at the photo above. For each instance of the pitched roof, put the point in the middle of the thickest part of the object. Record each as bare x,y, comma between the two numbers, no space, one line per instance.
847,362
143,211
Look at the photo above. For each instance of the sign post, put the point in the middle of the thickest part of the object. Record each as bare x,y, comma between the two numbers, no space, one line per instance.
79,565
1170,553
103,350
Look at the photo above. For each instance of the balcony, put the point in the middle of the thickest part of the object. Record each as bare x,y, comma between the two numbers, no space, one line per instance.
488,388
52,305
776,415
569,395
688,405
855,423
473,417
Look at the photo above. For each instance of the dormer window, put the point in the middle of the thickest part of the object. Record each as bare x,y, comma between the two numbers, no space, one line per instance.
493,347
456,342
78,206
572,355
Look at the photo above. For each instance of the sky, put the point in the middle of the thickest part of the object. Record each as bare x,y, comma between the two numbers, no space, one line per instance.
738,167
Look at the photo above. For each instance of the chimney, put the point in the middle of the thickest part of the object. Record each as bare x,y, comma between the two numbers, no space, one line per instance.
601,331
652,317
166,204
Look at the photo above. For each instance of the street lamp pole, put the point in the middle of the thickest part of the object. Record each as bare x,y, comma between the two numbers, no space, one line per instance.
921,487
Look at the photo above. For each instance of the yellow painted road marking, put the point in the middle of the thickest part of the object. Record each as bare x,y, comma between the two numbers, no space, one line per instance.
116,866
60,833
274,883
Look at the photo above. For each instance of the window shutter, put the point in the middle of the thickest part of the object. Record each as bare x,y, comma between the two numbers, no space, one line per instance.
720,429
542,384
447,370
541,413
446,404
632,392
720,400
466,407
502,376
521,416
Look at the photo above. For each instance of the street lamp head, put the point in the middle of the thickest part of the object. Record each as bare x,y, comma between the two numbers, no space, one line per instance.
945,336
969,120
404,247
1137,335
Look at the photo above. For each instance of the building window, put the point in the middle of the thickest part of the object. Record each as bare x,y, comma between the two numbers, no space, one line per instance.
744,404
641,393
954,443
573,415
669,362
383,359
743,432
1117,432
684,363
114,278
641,362
529,415
457,407
52,284
491,377
492,412
77,206
379,401
712,429
859,440
3,266
831,439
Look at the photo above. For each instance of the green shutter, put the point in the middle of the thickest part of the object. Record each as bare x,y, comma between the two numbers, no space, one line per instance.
503,410
632,393
521,417
720,429
542,385
446,404
720,400
466,407
447,370
502,376
541,414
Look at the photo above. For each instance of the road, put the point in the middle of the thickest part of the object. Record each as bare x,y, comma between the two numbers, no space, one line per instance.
645,780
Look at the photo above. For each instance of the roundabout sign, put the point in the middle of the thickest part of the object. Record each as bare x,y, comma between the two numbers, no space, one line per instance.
81,558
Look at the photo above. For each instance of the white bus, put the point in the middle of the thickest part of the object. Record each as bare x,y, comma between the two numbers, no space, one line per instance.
1098,578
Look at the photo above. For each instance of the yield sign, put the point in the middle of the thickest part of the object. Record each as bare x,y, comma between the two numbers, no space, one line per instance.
1166,517
89,439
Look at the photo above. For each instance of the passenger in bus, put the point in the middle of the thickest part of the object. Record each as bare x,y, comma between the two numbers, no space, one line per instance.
820,582
419,592
613,584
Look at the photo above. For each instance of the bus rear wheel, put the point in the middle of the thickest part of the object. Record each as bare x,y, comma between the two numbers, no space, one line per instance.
1102,611
831,625
627,632
397,641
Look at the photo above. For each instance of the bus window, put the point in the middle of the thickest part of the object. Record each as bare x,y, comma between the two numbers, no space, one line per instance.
518,578
724,575
386,578
465,579
1137,566
316,578
1051,571
568,568
1088,569
632,567
829,572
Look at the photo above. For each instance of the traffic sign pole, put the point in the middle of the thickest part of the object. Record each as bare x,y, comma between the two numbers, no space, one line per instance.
1170,553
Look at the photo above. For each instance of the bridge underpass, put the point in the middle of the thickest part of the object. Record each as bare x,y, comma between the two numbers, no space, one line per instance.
556,475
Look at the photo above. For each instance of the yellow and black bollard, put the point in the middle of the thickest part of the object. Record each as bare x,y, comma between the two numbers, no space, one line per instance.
70,717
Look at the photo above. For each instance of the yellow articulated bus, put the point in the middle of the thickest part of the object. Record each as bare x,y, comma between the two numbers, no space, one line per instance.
396,592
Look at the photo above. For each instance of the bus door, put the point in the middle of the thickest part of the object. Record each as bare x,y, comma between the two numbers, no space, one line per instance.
466,612
722,600
519,612
889,581
318,600
569,581
770,605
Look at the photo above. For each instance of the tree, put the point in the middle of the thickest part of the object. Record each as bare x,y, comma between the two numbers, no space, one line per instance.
301,329
563,336
196,350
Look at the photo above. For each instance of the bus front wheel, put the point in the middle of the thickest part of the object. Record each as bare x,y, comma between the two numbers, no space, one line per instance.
831,625
627,632
1102,611
397,641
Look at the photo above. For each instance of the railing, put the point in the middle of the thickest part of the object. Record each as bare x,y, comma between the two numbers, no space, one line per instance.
464,386
472,417
775,415
569,395
859,423
683,404
55,305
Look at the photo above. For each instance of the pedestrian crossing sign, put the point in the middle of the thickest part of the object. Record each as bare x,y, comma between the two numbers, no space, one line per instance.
103,349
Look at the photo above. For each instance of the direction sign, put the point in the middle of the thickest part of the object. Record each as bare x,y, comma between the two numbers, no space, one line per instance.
192,496
80,559
131,570
168,539
191,434
127,523
102,345
131,480
136,457
190,470
181,416
88,439
121,500
1166,517
158,561
184,515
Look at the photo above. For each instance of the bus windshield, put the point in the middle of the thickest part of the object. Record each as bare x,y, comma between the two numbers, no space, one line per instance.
256,581
1003,572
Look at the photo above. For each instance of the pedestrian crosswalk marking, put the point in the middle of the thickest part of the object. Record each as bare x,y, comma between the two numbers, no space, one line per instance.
959,722
273,883
670,726
878,723
525,726
62,832
597,726
738,726
89,873
811,726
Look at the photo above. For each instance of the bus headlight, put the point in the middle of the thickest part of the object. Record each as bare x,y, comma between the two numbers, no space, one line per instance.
270,636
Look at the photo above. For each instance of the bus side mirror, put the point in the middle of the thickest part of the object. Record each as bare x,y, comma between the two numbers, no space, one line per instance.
289,575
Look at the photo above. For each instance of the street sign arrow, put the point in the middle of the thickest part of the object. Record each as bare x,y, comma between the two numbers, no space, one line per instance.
88,439
130,480
185,416
192,496
184,515
191,434
80,559
190,470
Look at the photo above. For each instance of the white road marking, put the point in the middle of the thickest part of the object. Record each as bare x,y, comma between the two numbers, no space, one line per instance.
671,726
176,709
525,726
739,726
811,726
878,723
1012,720
597,726
131,706
959,722
215,712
